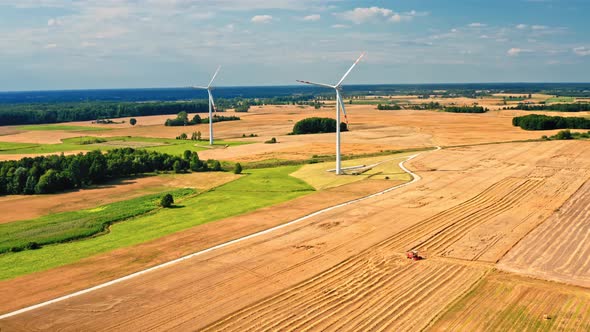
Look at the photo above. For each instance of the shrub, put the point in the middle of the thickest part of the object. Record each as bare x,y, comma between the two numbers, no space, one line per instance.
564,134
238,169
317,125
132,121
167,201
221,118
271,141
386,107
32,246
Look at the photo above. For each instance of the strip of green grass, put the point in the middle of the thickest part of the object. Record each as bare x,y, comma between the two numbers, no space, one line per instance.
61,127
10,147
67,226
170,146
259,188
561,100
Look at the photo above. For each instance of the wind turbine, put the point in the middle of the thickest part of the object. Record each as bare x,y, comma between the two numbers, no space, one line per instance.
211,104
339,105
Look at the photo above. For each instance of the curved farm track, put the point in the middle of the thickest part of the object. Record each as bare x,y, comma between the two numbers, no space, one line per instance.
345,269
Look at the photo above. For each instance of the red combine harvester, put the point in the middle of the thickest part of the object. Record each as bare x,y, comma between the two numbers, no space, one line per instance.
413,254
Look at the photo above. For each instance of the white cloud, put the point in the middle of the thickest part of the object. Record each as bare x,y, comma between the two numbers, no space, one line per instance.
340,26
313,17
539,27
229,28
521,26
515,51
262,19
54,22
582,51
370,14
477,25
51,45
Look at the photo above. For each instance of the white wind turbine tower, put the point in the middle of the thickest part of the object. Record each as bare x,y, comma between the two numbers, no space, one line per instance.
339,105
211,104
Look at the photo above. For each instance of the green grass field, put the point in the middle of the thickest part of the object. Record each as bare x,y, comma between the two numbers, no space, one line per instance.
67,226
259,188
560,100
61,127
317,175
164,145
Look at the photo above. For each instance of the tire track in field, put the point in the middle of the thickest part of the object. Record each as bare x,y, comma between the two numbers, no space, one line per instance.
435,234
379,296
559,249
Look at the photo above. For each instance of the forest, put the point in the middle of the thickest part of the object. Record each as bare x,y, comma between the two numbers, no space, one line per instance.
545,122
55,173
317,125
465,109
20,114
571,107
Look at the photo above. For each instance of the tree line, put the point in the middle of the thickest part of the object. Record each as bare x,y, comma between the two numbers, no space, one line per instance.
183,120
51,174
435,106
426,106
388,107
20,114
544,122
572,107
465,109
317,125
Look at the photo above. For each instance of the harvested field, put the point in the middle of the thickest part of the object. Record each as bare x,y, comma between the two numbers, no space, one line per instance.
5,157
371,131
369,292
42,136
323,259
21,207
559,249
504,302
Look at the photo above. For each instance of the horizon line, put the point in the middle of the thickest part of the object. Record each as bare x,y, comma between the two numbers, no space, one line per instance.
286,86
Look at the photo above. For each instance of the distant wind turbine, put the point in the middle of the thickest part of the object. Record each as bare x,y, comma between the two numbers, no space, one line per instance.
211,104
339,105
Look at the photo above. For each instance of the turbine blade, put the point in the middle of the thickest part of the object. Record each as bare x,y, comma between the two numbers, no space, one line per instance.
350,69
211,99
343,110
214,75
317,84
198,87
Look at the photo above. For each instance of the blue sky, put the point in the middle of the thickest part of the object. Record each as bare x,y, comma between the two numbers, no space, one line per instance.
59,44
